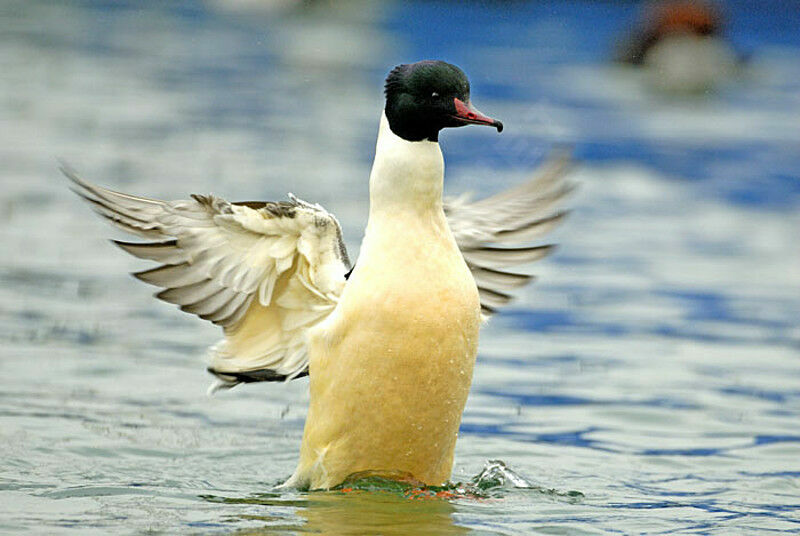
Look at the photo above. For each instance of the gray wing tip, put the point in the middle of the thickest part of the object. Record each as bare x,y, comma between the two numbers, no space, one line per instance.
544,249
68,171
486,310
151,275
81,191
78,185
561,159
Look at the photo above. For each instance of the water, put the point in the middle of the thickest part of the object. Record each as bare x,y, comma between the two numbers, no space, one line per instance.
654,368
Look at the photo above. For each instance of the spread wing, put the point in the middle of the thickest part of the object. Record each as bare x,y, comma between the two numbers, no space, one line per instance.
513,217
264,272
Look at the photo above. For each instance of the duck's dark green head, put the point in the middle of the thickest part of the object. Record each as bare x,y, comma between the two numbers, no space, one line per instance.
423,98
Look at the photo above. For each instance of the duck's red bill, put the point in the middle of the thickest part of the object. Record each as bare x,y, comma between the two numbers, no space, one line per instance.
468,114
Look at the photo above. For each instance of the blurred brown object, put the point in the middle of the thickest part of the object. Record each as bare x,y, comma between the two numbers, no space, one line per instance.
680,45
666,19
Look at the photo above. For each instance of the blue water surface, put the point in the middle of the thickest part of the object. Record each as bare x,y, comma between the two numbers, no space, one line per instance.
654,368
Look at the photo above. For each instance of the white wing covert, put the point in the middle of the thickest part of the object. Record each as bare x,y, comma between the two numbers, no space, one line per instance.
514,217
265,272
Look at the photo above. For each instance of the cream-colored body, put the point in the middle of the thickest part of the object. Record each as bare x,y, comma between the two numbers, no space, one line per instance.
390,369
390,351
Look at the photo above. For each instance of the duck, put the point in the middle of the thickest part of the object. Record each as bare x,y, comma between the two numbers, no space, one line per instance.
388,343
681,47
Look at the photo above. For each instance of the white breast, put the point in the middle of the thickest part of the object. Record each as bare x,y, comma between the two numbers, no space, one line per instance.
390,369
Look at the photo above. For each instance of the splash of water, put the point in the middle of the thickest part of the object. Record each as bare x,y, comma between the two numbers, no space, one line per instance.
494,480
497,477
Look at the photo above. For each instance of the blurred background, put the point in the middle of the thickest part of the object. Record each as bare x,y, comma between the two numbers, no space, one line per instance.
654,367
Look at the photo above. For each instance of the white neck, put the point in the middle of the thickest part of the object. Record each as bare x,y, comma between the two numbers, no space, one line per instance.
407,176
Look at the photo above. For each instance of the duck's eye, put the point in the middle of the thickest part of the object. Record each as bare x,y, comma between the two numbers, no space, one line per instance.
434,95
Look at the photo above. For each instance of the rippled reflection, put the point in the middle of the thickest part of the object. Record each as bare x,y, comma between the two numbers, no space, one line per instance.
654,367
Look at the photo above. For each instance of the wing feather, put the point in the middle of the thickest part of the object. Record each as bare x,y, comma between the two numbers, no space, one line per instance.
173,275
190,294
234,313
165,252
493,298
510,219
532,230
499,257
265,272
206,307
498,279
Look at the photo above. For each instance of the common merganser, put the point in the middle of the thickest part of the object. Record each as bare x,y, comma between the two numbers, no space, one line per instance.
389,347
681,46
